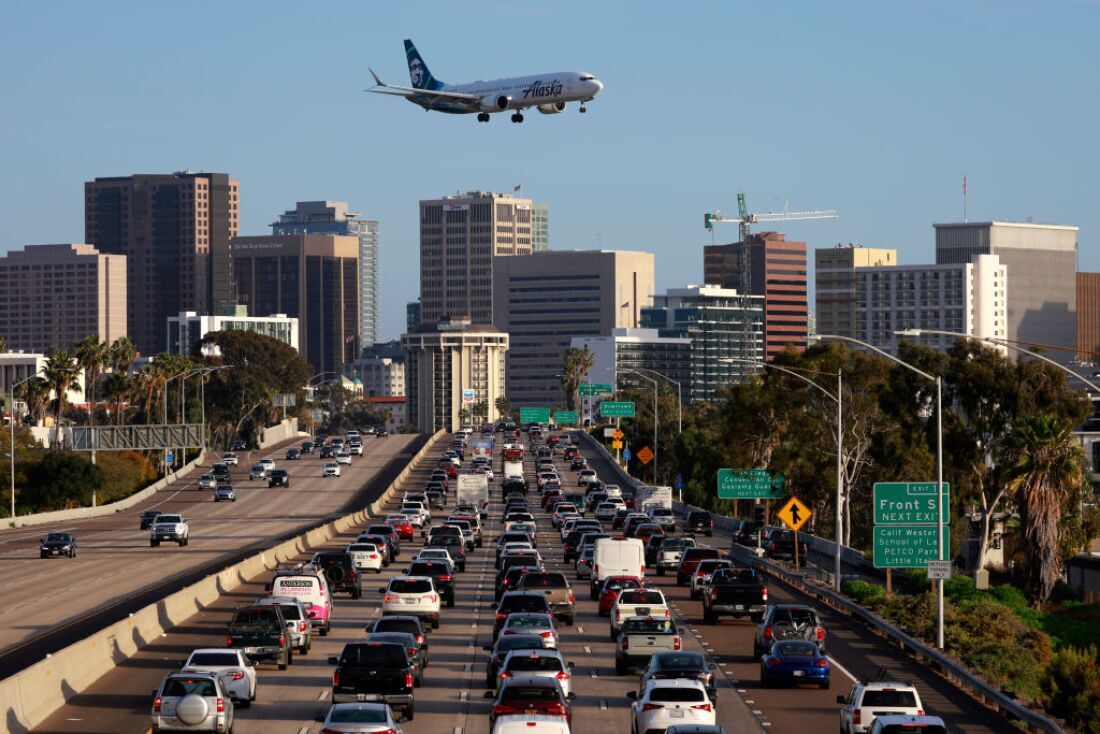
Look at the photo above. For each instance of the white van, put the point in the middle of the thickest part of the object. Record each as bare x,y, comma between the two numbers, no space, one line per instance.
616,557
311,589
530,724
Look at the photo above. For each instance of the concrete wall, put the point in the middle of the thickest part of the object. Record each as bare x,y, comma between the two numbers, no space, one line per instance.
81,513
282,431
29,697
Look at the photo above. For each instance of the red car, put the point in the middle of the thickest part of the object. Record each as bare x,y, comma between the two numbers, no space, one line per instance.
690,560
530,694
609,592
403,527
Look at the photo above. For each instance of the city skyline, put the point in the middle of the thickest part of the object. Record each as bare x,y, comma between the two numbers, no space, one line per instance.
877,112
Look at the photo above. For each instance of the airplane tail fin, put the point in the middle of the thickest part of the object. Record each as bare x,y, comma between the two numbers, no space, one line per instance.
418,70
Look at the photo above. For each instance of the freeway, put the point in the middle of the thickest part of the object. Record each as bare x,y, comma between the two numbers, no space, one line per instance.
451,698
114,561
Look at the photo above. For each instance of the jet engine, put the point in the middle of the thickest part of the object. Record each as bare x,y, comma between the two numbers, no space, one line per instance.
495,104
552,108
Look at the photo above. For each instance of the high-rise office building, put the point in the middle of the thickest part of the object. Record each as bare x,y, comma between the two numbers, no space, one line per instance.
311,277
835,283
412,315
52,296
769,266
966,298
459,237
1088,318
333,217
1041,260
540,227
174,230
722,324
186,330
545,300
454,374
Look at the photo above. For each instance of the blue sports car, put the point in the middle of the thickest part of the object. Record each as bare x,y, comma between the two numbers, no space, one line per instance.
794,661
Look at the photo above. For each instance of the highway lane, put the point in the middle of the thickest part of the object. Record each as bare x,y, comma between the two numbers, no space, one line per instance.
114,559
451,699
854,650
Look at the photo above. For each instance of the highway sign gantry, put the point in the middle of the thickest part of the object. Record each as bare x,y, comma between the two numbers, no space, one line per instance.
565,417
592,389
905,546
795,513
534,415
909,503
748,484
646,455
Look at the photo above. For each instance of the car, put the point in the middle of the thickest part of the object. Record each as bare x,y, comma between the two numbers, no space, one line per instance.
307,447
148,517
519,601
648,602
359,717
376,672
696,728
895,724
417,650
641,637
339,568
278,478
787,622
699,521
192,702
381,433
299,624
669,552
530,724
240,445
258,471
402,525
434,554
610,589
664,517
794,662
499,651
207,481
681,664
343,457
663,703
689,559
367,556
225,492
229,459
220,472
509,578
231,665
584,476
330,469
415,595
169,529
584,562
355,447
441,572
558,592
541,661
870,699
529,694
308,585
293,454
400,623
57,544
268,463
531,623
259,630
327,452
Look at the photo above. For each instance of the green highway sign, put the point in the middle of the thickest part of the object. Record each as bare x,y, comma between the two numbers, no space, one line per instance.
610,409
565,417
910,503
906,546
590,389
747,484
534,415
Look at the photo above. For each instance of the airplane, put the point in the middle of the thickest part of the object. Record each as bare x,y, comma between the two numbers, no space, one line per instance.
548,93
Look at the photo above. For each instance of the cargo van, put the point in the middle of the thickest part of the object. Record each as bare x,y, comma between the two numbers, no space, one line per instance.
310,587
616,557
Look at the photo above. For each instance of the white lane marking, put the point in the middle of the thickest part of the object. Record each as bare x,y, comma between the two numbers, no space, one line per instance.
322,695
463,696
765,723
749,700
758,712
587,649
580,630
603,705
303,730
841,668
468,667
458,730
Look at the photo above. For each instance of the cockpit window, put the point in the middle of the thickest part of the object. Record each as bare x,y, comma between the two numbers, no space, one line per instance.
587,78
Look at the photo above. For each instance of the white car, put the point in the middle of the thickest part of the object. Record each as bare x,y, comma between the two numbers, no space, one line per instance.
648,602
237,673
543,662
415,517
530,724
585,476
613,491
192,702
330,469
671,702
360,716
343,457
517,518
268,463
421,507
412,595
878,698
207,481
229,459
366,556
605,511
434,554
662,516
356,448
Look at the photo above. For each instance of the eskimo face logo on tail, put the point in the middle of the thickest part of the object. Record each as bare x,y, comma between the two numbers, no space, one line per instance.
416,71
539,88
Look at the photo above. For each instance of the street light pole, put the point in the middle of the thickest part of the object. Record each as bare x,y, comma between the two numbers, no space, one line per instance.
12,427
939,464
679,400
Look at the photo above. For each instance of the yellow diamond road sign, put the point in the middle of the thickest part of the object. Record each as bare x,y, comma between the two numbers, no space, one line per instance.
616,444
618,435
645,455
795,514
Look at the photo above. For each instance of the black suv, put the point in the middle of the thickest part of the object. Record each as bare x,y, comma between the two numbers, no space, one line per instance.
278,478
339,569
519,601
148,517
699,521
442,572
380,670
220,472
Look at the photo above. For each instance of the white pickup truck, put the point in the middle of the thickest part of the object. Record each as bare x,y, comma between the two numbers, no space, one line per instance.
168,529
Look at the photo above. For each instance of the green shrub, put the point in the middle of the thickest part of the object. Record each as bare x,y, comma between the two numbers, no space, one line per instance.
864,593
917,578
988,637
1072,688
959,589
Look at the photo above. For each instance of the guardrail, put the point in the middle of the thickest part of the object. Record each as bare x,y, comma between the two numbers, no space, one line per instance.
975,687
32,695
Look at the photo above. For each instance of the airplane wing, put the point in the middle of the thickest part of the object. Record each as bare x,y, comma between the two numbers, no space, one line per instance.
435,94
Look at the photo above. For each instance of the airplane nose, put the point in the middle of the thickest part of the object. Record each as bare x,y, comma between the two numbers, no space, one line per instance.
597,86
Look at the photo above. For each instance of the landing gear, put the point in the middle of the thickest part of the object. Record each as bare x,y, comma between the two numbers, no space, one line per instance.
517,117
583,109
483,117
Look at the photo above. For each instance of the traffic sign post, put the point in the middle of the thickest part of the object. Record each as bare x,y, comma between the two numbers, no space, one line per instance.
906,532
618,434
747,484
534,415
645,455
616,444
795,514
626,454
609,432
939,570
592,389
565,418
905,546
611,409
909,503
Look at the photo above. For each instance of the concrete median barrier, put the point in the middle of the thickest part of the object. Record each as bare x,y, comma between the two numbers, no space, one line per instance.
30,696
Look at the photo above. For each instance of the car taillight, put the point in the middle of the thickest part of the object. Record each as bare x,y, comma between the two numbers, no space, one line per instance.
920,712
857,717
764,594
821,633
618,614
702,707
505,674
562,675
558,709
301,626
282,639
408,680
651,706
221,705
596,569
420,639
773,662
411,651
390,598
156,705
229,641
768,632
626,642
351,574
822,663
572,599
713,594
238,674
643,569
500,616
373,555
546,634
676,643
336,678
431,598
445,578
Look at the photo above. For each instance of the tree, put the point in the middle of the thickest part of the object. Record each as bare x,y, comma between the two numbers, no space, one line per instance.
122,354
35,392
576,364
504,407
60,372
62,480
92,356
1047,464
118,388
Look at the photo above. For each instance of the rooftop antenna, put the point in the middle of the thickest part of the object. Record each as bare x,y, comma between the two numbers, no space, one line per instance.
964,199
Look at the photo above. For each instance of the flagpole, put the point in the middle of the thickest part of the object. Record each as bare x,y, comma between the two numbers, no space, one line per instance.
964,200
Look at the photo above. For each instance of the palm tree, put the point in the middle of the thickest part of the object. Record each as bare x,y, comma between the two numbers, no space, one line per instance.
122,354
60,372
1045,465
35,392
92,355
576,364
117,388
504,407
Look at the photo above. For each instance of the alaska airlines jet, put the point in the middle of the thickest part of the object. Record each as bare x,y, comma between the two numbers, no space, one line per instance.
546,92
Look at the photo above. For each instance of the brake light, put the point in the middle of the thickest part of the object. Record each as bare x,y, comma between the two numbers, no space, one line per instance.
156,705
822,663
714,594
651,706
229,641
408,680
221,705
857,716
773,662
351,574
301,626
501,616
572,599
336,678
676,643
282,639
562,675
432,598
768,632
764,594
626,642
546,634
821,633
702,707
390,598
420,639
373,555
238,674
920,712
445,577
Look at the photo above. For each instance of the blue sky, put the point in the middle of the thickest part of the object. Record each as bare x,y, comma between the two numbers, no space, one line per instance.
875,109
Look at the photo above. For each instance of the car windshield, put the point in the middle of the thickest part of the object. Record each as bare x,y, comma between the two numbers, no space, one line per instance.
676,695
218,659
889,699
677,543
528,621
427,569
680,661
362,548
396,624
358,714
522,693
375,654
641,597
735,576
57,538
255,615
913,729
796,617
619,584
523,603
659,626
180,687
169,519
410,586
797,649
545,581
534,663
661,512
